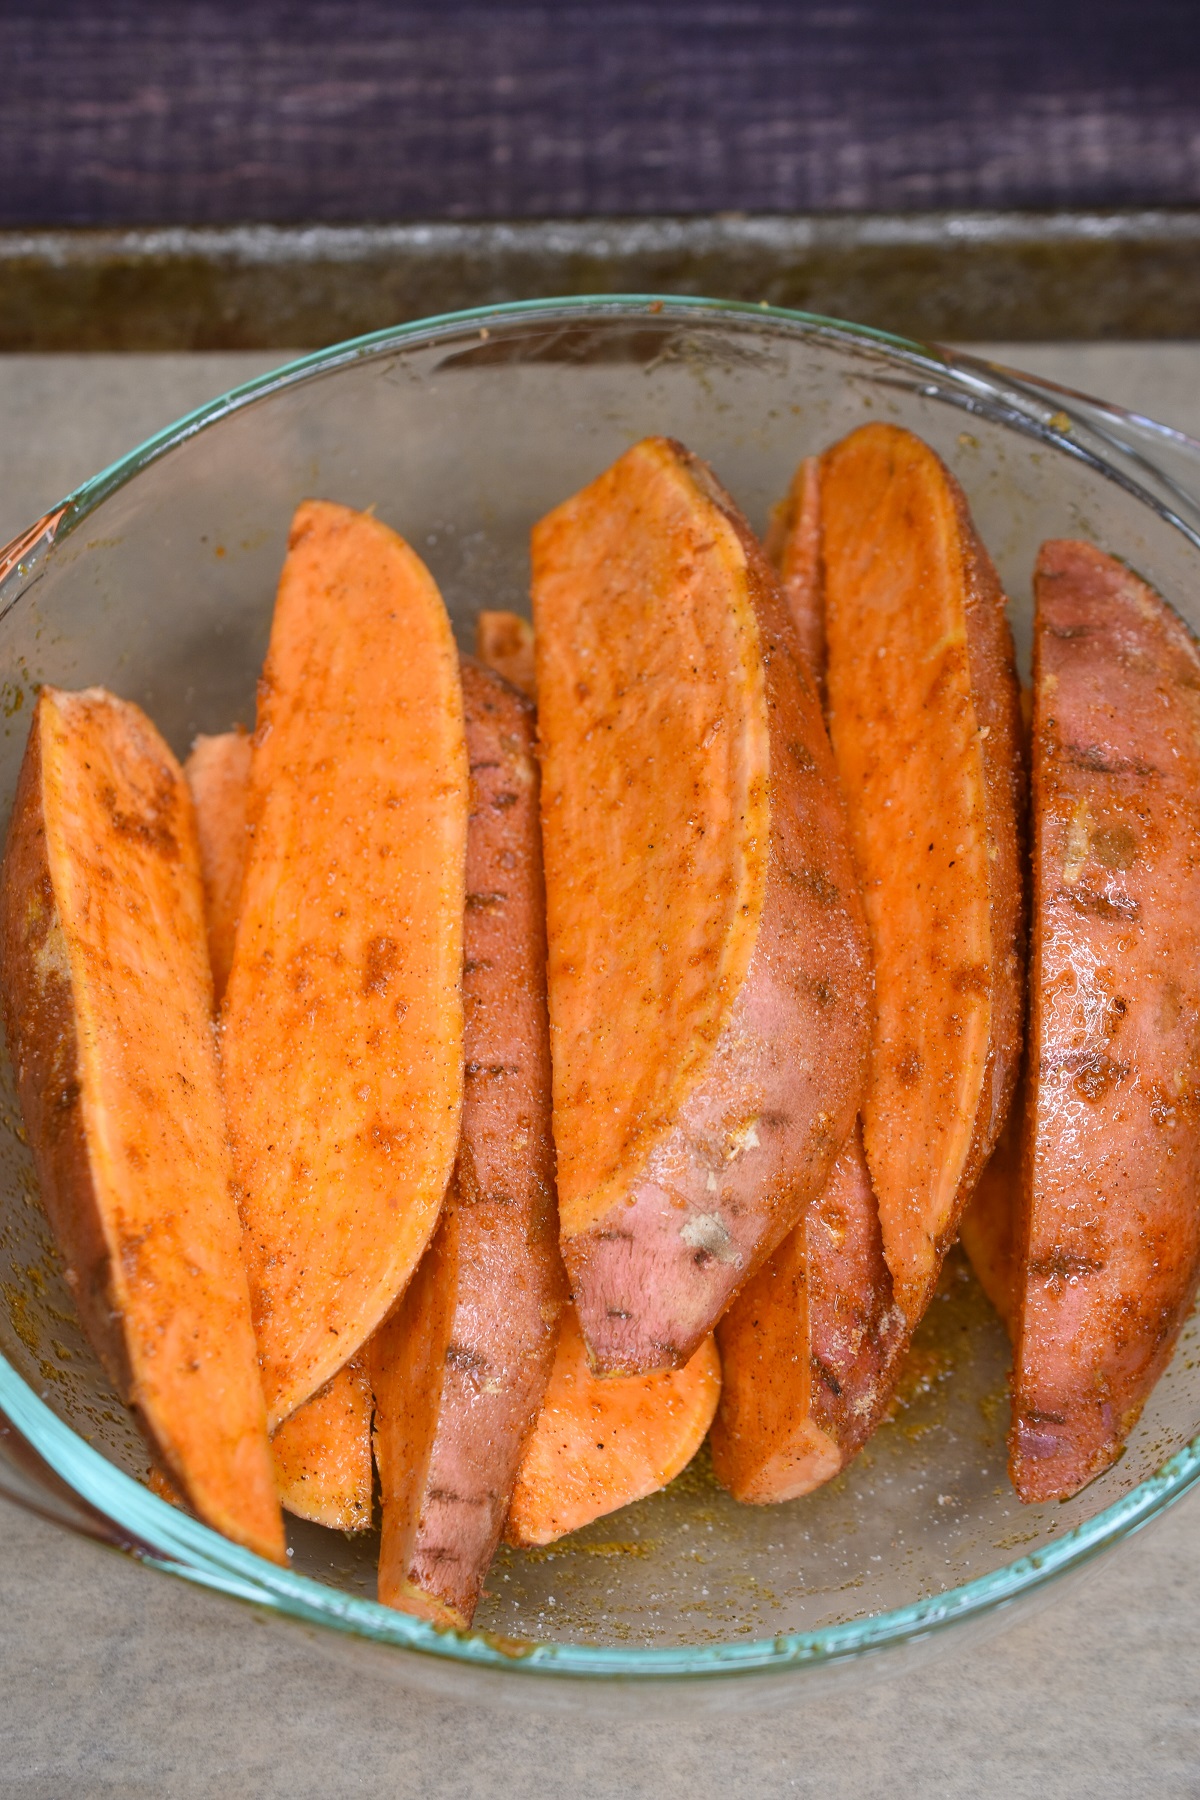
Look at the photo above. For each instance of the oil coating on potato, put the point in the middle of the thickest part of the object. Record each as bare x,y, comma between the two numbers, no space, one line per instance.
924,719
460,1367
108,1005
707,956
1111,1237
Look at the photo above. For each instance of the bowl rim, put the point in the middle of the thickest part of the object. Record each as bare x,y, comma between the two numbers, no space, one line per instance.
171,1540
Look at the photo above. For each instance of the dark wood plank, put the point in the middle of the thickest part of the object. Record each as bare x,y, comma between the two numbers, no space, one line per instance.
138,111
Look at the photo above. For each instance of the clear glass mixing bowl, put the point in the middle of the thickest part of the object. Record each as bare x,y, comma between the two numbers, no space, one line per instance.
157,580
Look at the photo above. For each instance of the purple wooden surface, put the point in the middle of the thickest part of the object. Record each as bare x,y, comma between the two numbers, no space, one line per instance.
132,111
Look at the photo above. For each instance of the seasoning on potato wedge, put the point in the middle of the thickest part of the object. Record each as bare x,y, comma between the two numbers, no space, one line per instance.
1110,1246
604,1441
108,1006
322,1453
461,1366
925,725
809,1349
707,954
342,1021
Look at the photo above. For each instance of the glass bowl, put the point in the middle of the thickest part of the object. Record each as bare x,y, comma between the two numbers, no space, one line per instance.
157,579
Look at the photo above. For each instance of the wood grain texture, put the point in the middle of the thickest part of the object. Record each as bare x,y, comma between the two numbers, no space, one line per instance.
352,109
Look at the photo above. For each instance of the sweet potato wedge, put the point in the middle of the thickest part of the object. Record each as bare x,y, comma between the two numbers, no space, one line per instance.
991,1222
811,1346
342,1021
809,1349
925,723
1110,1245
602,1442
322,1454
793,546
504,641
218,773
461,1366
108,1008
707,953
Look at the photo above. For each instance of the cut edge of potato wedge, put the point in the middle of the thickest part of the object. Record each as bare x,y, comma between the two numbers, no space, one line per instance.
342,1020
322,1453
715,1166
793,547
603,1441
108,997
597,642
504,642
917,637
218,774
810,1349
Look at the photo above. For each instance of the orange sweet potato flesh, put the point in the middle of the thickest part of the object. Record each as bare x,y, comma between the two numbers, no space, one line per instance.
991,1221
218,773
504,641
108,1007
602,1442
925,723
322,1454
793,545
461,1366
1110,1238
810,1348
342,1021
707,954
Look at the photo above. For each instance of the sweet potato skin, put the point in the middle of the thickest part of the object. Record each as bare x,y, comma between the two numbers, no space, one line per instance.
108,1009
707,1066
1110,1234
504,642
342,1021
809,1348
925,722
602,1442
460,1368
218,774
